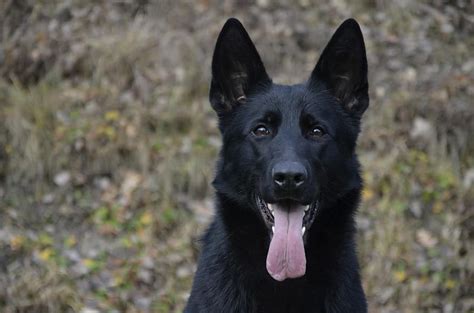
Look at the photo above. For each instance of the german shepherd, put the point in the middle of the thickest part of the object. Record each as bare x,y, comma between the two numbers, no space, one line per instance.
288,182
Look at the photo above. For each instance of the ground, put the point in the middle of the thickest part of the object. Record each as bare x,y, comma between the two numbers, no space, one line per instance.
108,143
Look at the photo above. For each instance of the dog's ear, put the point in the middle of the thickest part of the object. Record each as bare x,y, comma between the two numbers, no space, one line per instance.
342,68
237,69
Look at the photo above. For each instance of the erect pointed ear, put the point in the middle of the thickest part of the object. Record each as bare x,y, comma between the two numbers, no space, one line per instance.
342,68
237,69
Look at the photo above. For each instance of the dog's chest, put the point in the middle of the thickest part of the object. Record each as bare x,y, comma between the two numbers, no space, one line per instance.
288,300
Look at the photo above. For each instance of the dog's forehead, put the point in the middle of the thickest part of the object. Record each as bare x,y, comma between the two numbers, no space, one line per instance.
292,100
281,98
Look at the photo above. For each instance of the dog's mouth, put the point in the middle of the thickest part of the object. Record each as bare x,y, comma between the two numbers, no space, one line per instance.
268,210
289,222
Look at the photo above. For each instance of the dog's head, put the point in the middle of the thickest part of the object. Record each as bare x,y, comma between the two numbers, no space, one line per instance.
288,151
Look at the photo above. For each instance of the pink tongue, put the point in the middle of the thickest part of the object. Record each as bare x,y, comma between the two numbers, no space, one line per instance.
286,257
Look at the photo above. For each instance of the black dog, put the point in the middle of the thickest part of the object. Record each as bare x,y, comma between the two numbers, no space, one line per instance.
287,183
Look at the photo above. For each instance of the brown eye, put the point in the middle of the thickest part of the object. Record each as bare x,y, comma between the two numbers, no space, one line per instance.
316,132
261,131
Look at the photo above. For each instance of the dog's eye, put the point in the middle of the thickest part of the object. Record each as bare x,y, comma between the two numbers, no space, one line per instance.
261,131
316,132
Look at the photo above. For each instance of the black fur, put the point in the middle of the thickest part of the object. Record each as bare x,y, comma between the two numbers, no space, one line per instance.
231,275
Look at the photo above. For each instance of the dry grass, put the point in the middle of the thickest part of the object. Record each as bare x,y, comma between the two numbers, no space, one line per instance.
40,290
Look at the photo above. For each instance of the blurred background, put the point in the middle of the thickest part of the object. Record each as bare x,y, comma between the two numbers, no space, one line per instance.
108,143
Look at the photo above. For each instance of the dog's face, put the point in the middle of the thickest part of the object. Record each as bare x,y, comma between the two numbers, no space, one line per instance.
288,150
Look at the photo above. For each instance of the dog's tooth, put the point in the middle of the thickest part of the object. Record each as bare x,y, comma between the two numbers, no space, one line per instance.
306,208
270,206
303,230
273,229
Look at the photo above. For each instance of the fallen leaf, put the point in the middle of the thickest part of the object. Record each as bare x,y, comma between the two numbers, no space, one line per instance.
17,242
400,276
425,238
112,115
46,254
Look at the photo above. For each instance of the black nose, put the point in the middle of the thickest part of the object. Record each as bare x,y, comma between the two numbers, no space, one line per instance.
289,175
